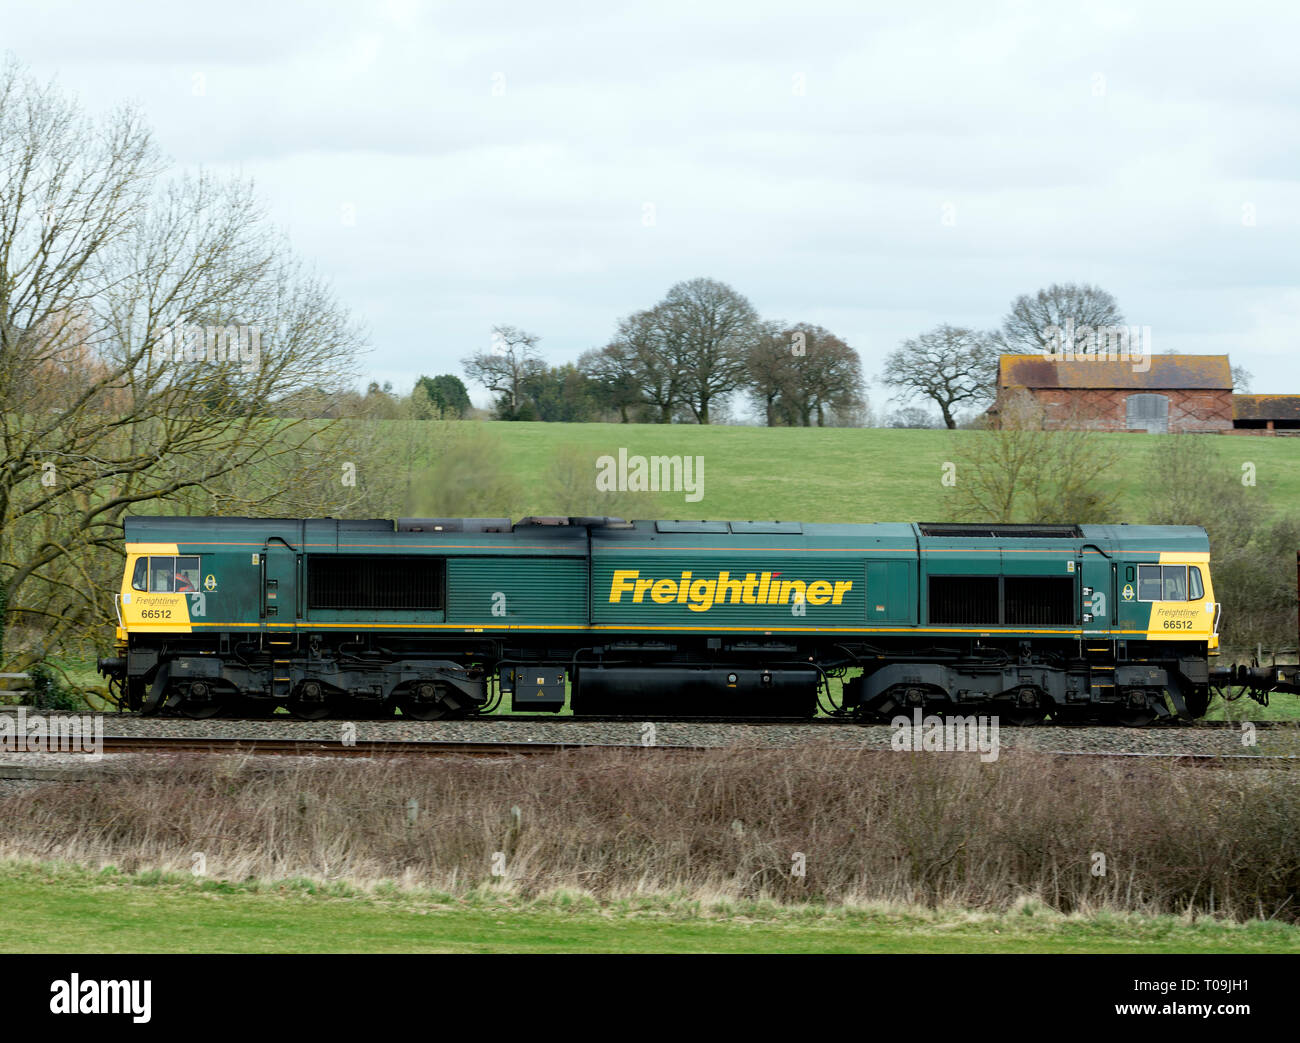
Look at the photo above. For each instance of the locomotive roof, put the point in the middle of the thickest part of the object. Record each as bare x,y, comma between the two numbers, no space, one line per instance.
895,535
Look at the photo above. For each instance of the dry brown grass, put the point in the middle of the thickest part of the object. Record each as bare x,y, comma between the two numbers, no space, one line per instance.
929,829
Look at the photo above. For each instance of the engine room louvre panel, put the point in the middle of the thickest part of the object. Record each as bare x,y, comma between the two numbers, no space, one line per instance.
369,582
517,591
1039,600
964,600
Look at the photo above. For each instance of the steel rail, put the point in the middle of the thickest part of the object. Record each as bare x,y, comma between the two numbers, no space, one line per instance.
259,746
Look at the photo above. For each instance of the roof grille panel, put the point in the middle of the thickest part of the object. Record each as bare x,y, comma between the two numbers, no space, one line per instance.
1052,532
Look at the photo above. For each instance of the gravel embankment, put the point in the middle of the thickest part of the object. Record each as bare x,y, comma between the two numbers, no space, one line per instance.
1175,739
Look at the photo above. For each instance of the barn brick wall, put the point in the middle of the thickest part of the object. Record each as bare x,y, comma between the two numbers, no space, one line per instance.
1106,409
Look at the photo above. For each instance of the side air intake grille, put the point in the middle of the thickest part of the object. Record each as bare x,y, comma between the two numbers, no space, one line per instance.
364,582
964,600
1040,601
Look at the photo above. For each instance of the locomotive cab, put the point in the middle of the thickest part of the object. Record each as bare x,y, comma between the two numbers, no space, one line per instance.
1169,600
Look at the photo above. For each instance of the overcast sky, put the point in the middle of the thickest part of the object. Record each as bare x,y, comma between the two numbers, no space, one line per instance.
874,168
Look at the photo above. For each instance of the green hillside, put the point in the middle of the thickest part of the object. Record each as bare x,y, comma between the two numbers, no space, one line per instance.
846,474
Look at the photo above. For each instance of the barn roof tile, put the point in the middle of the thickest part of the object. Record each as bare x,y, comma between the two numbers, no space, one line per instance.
1193,372
1266,407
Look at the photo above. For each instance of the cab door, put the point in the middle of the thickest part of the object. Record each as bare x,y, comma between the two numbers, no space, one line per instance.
1097,606
1131,612
281,584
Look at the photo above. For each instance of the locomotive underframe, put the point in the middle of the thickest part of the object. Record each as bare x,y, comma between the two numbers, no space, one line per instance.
363,674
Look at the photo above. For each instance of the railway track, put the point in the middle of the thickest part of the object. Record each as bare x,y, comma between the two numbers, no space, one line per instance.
567,720
361,748
370,748
815,722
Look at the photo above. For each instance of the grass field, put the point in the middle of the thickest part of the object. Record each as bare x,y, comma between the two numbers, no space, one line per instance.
847,474
107,912
1281,707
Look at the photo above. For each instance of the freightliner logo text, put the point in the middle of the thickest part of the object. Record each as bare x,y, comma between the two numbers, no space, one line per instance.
700,595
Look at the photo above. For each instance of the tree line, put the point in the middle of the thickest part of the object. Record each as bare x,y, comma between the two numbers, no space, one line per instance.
686,359
689,357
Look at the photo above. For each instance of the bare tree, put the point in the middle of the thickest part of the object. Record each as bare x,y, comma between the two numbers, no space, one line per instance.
709,329
512,360
913,417
146,329
568,488
464,471
949,365
643,364
801,372
612,372
828,375
771,371
1063,317
1020,470
681,357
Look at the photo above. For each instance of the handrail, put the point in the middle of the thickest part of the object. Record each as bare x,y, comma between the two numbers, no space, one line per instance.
117,607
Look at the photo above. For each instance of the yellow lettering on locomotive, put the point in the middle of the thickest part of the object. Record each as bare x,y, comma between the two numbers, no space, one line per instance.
700,594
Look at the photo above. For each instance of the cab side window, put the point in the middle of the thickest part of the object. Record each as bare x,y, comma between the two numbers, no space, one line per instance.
167,575
1150,587
161,579
1163,582
187,574
1197,587
1175,577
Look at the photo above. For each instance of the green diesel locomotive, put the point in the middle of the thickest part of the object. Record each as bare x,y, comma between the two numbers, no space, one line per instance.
440,617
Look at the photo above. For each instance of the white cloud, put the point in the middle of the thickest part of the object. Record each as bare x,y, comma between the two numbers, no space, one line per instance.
804,153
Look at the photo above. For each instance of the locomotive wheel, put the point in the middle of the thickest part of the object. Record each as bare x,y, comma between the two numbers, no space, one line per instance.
309,703
200,702
200,711
1135,712
423,704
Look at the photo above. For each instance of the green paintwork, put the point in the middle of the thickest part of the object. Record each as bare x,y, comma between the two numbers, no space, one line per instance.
490,592
543,571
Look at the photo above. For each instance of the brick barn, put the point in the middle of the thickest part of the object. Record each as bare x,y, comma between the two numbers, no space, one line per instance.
1158,394
1266,414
